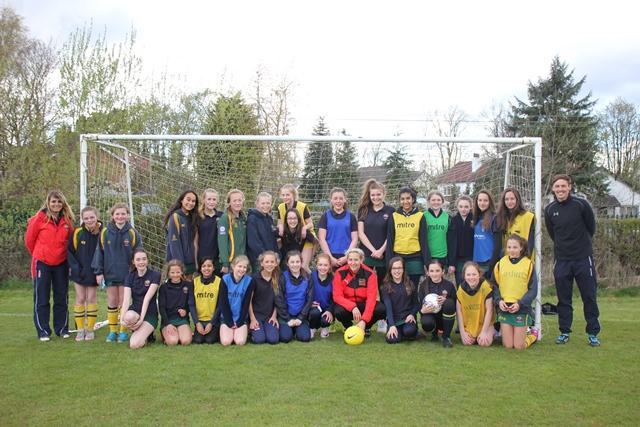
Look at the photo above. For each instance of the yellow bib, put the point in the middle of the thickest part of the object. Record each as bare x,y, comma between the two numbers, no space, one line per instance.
300,207
473,308
206,297
521,226
407,228
513,279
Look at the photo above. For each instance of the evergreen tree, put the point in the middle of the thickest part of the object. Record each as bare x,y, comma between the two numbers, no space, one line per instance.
558,113
236,162
398,172
345,170
318,164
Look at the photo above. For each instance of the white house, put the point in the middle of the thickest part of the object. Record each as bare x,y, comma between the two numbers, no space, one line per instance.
628,200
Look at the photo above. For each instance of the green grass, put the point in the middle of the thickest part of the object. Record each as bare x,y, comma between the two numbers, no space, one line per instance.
321,383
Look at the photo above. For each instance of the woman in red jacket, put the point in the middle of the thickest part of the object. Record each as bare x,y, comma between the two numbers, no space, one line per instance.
355,292
48,232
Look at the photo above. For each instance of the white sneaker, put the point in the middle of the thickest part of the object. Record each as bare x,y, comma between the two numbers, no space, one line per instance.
65,335
45,338
382,326
89,336
324,332
80,335
313,333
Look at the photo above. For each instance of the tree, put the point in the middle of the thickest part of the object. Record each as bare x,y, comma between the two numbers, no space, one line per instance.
230,164
557,112
97,77
397,166
450,124
318,165
345,169
279,163
27,114
619,137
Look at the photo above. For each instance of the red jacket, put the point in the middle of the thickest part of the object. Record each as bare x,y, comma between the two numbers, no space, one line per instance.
46,240
350,288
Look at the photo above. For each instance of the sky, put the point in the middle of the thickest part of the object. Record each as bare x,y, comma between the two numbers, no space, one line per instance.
374,68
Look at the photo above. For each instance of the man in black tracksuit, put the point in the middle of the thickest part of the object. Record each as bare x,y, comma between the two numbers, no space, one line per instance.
571,225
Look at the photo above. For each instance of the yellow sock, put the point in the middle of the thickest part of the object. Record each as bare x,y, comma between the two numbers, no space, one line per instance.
530,339
112,317
92,315
78,314
122,327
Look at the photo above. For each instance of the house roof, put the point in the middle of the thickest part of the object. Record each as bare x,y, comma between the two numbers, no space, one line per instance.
461,172
607,201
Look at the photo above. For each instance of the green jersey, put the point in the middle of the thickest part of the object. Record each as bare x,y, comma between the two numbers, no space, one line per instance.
437,228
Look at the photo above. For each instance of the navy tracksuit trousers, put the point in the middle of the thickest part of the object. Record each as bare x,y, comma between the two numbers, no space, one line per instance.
46,278
584,273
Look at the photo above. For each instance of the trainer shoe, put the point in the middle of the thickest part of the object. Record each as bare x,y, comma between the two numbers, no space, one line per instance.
89,336
593,340
65,335
446,343
382,326
112,337
313,333
562,339
324,332
535,332
80,335
123,337
45,338
367,332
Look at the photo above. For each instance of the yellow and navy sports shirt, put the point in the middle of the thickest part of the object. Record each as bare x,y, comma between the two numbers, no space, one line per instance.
205,298
522,225
472,305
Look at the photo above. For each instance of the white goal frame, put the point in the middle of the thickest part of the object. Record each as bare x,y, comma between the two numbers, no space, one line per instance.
535,141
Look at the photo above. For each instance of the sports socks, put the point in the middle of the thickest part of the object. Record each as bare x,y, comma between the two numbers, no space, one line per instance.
530,339
78,314
112,317
92,315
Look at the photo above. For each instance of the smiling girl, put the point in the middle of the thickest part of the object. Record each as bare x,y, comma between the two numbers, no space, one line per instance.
181,223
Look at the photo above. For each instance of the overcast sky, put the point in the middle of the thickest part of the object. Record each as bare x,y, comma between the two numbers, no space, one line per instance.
371,67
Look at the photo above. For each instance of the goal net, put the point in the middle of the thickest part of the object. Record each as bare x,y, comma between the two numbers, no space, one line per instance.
148,172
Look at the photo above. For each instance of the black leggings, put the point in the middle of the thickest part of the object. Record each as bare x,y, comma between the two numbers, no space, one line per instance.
346,317
406,331
442,320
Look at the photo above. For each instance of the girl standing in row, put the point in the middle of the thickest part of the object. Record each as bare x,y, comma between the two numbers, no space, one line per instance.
487,239
207,236
437,227
80,252
181,223
338,229
289,196
460,238
261,235
513,218
232,230
118,241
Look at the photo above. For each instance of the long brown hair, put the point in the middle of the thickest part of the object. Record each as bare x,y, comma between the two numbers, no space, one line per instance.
66,212
388,278
424,285
275,276
505,216
486,215
297,233
365,199
192,214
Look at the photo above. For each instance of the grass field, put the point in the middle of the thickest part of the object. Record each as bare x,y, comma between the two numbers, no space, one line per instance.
321,383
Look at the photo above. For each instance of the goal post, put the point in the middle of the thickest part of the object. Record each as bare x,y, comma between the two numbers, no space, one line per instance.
149,171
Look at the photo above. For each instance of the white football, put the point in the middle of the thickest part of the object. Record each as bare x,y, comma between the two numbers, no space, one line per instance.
432,300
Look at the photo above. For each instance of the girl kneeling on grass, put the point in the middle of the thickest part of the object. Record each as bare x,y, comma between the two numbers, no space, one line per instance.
262,310
235,296
173,303
514,291
139,304
321,313
443,320
475,307
399,300
293,300
203,301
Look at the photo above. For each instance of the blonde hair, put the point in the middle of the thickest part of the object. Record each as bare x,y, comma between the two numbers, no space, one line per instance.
229,211
66,212
325,256
275,276
204,196
90,209
292,189
435,193
241,258
262,195
358,251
